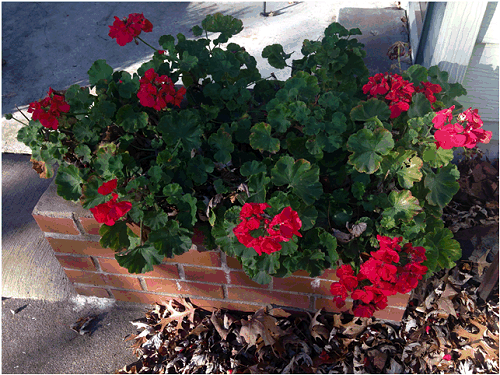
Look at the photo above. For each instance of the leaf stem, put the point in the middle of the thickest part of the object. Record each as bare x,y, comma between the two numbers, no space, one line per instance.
13,118
22,113
146,43
140,234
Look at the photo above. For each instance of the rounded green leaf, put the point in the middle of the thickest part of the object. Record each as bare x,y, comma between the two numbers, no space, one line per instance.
260,138
300,175
368,147
371,108
69,182
99,70
443,185
402,206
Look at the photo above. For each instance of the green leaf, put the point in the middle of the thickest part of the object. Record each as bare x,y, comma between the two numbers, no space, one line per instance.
226,25
329,100
443,185
114,237
402,206
129,86
336,28
369,109
108,165
167,42
257,185
83,152
222,142
308,216
156,219
197,169
69,182
183,126
420,106
367,148
260,138
223,64
276,56
187,62
86,131
416,74
187,210
171,239
299,175
92,196
140,259
437,157
99,70
197,30
130,120
442,251
252,167
410,172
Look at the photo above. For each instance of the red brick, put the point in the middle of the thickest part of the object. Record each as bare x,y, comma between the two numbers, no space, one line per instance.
166,271
300,285
79,247
138,297
242,279
89,291
208,275
329,274
84,277
398,300
122,282
186,288
233,263
390,313
112,266
266,296
327,304
56,225
301,273
76,262
201,258
211,305
90,225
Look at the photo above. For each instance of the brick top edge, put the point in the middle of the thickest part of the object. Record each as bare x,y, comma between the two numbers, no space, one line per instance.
52,205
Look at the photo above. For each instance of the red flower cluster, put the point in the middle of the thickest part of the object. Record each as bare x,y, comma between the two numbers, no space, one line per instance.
125,30
281,228
49,109
109,212
466,133
157,91
396,90
385,273
429,89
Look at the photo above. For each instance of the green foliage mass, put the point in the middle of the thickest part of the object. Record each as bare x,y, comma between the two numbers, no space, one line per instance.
313,142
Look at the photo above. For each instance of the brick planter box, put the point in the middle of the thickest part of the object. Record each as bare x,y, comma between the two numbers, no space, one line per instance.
208,277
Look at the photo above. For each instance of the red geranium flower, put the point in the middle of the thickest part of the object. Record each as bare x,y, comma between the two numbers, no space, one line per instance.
125,30
48,110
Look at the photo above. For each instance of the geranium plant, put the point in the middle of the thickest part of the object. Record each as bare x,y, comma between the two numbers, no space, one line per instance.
314,172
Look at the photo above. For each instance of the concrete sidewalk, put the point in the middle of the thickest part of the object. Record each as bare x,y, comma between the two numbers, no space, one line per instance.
53,45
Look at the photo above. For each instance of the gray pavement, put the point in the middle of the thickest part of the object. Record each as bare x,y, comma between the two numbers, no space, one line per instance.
53,45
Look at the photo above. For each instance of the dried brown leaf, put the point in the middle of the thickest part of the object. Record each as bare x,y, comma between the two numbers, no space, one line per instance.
318,329
262,325
178,315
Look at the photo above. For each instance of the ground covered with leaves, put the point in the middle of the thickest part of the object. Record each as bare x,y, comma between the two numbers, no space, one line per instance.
447,327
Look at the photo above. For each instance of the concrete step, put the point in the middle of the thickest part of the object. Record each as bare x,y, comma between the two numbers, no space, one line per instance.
29,266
